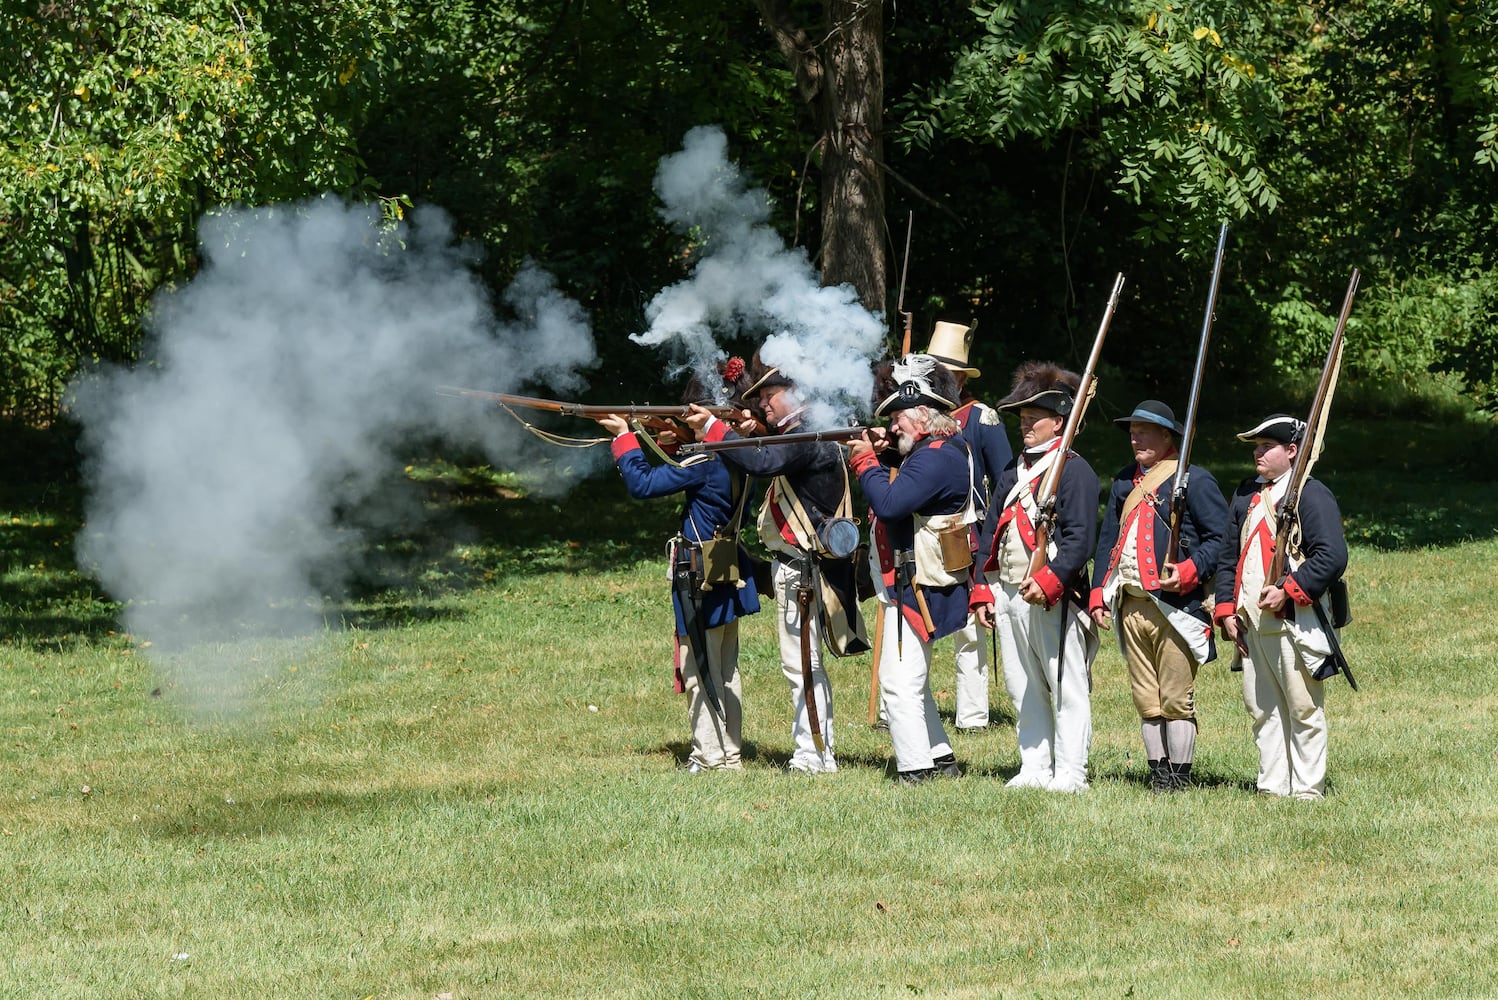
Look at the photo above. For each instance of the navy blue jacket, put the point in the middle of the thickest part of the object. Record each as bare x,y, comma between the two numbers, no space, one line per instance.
1321,540
709,489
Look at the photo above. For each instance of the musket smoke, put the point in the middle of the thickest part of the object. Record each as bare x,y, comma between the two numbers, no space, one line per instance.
747,280
284,381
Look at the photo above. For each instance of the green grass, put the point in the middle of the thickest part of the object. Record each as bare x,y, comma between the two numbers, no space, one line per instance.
470,785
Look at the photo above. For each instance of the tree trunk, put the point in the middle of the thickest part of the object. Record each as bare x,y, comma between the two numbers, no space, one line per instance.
841,78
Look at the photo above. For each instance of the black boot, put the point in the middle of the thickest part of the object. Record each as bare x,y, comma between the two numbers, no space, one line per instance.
1160,777
1180,776
919,777
947,766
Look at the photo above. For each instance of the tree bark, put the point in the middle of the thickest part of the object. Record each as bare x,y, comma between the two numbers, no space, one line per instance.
840,75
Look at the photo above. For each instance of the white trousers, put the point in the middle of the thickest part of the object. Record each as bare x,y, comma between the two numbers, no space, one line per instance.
789,624
716,742
1050,679
915,728
970,644
1287,707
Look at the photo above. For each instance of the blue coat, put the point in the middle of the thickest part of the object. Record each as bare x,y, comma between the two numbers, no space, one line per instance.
709,490
933,479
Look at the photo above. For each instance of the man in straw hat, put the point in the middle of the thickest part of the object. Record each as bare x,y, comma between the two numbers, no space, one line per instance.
1281,644
809,488
983,430
1164,632
918,494
1046,639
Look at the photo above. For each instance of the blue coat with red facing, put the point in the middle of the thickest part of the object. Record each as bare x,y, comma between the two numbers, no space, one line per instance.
710,502
1202,532
933,479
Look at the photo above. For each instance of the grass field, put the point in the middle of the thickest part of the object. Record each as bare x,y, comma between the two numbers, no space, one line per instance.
470,786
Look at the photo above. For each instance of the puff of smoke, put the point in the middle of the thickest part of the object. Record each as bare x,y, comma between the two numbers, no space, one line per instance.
284,379
746,279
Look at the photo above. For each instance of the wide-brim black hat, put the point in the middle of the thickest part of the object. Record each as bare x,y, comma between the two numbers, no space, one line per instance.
764,377
1279,427
1152,411
1043,386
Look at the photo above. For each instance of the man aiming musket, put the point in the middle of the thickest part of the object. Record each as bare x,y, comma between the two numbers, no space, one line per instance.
805,522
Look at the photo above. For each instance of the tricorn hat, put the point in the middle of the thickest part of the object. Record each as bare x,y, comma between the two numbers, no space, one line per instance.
1044,386
762,377
950,343
1279,427
1152,411
914,380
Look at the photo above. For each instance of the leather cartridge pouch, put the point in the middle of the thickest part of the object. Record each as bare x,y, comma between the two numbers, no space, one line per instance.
956,547
719,562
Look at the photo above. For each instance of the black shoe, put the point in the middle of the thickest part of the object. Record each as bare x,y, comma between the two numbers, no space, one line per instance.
970,730
1180,776
920,777
1161,780
947,766
882,726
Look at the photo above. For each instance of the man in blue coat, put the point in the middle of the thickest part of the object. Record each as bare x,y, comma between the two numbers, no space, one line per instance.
983,430
707,613
917,495
1164,632
1046,638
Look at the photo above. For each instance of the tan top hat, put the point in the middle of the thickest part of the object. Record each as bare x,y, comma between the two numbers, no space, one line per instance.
949,345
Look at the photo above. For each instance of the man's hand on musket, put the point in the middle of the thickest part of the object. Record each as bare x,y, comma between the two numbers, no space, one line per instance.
1273,598
874,440
1033,593
985,616
1170,579
1232,631
744,424
613,423
1101,617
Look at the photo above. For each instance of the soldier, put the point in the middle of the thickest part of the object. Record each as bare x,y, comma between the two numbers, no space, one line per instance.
1046,639
707,610
918,496
808,501
983,431
1164,633
1283,648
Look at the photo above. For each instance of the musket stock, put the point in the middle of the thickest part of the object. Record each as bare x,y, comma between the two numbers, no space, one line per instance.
1306,453
1188,433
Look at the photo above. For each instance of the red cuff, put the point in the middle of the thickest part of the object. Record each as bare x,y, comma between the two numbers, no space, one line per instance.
1296,592
981,595
1190,579
1051,584
716,430
1095,600
624,444
863,461
1224,609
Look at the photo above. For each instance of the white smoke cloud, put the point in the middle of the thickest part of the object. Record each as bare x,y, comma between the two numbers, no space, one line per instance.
747,280
284,381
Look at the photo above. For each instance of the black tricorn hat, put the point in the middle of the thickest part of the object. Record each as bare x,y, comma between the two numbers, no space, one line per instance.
1279,427
1044,386
762,377
1152,411
914,380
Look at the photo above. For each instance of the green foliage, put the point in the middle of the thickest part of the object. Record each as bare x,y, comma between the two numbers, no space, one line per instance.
1168,103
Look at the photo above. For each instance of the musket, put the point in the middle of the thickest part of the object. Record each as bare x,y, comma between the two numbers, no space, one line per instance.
1045,498
905,317
1310,440
1188,432
840,435
586,409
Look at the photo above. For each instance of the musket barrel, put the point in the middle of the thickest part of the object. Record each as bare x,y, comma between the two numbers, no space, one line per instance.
585,409
839,435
